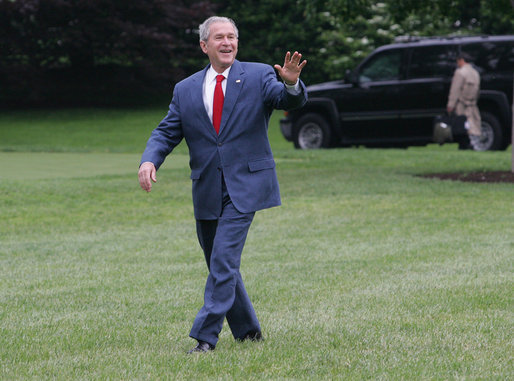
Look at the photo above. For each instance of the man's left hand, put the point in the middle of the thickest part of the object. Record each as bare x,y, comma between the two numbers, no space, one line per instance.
292,68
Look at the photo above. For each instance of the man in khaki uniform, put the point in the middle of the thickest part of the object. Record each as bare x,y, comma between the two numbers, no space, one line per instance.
464,95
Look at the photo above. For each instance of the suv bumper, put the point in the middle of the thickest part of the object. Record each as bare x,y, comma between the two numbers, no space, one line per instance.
286,126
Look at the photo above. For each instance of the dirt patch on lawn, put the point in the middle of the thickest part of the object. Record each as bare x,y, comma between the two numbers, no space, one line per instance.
475,177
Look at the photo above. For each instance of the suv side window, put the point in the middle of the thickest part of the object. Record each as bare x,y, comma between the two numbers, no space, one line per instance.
489,56
384,66
432,61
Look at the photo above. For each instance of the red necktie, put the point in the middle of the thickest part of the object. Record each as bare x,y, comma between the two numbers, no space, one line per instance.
217,106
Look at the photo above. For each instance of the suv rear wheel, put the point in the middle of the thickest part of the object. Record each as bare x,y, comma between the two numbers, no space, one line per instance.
312,131
492,137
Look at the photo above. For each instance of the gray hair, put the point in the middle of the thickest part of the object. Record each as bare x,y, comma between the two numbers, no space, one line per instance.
205,27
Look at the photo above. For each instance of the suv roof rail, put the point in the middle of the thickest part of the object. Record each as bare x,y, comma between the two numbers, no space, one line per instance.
409,38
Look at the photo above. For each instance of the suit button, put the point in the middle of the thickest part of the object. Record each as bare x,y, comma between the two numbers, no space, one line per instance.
220,144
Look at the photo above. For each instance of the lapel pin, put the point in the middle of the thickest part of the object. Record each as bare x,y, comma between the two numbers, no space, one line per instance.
238,80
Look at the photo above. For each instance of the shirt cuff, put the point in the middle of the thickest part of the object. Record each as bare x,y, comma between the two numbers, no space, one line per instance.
293,89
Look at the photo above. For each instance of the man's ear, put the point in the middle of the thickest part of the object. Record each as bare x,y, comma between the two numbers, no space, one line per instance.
203,45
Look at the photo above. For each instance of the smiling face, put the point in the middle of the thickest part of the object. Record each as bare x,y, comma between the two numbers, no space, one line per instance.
221,46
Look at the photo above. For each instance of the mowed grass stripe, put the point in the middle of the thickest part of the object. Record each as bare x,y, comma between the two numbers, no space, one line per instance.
42,165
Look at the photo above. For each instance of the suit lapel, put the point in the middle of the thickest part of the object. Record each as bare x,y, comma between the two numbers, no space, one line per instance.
197,100
235,83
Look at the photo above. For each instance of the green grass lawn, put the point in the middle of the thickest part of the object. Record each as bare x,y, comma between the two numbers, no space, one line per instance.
366,271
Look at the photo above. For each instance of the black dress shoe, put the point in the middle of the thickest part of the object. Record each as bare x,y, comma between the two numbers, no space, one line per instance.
253,336
201,347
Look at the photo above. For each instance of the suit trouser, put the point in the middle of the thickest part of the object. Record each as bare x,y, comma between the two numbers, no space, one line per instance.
222,241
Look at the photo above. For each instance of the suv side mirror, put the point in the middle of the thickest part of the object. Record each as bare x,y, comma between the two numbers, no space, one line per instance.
351,77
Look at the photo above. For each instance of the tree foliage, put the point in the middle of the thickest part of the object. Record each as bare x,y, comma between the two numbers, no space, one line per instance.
335,35
99,50
95,49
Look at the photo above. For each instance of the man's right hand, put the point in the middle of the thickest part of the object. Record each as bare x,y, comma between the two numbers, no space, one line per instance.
146,173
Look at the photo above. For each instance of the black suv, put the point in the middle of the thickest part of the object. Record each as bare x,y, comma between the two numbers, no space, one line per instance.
392,97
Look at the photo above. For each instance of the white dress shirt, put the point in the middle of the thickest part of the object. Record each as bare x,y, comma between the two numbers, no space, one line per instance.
209,84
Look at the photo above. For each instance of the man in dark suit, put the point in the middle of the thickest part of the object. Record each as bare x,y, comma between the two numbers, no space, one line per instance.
223,112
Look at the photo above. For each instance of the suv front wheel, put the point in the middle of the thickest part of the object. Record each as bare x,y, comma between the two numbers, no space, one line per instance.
492,137
311,132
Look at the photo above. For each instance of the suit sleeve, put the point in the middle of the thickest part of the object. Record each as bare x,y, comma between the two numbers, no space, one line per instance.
166,136
276,95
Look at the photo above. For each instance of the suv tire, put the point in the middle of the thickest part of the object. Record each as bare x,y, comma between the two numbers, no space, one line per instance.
312,131
492,136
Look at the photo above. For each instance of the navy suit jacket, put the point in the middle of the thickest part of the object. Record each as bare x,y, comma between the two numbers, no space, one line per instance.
241,151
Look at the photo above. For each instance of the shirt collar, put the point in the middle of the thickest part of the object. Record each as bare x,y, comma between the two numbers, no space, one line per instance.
211,74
